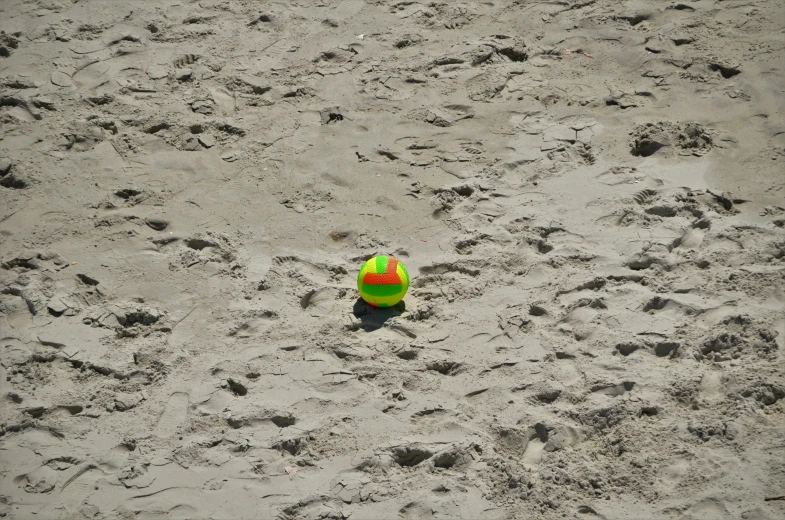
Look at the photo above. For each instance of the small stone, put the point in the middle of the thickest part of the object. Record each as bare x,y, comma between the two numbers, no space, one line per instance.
5,166
124,402
156,223
184,74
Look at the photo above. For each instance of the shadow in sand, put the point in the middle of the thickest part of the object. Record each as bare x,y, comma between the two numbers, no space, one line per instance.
373,318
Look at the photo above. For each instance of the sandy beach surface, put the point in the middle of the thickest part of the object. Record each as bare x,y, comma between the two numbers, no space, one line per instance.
589,196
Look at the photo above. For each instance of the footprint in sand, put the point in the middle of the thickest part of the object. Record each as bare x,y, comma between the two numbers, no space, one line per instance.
711,387
294,269
693,237
532,454
173,415
271,55
76,489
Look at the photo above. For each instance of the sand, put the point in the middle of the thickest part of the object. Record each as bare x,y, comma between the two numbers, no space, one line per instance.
588,195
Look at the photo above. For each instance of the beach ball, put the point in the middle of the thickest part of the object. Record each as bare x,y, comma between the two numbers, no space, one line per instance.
383,281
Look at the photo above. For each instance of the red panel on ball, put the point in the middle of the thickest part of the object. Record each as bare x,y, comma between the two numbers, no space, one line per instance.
389,277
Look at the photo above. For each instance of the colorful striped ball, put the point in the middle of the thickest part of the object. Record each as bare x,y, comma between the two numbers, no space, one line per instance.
383,281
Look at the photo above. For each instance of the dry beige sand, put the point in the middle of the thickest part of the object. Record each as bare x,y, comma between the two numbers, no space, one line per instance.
588,194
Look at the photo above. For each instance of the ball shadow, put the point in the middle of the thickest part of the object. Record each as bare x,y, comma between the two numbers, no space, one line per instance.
373,318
